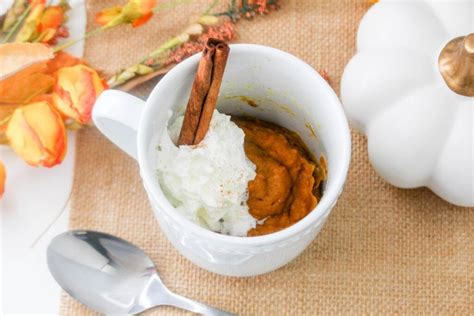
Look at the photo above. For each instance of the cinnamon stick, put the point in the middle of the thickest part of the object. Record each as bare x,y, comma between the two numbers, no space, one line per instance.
220,60
204,93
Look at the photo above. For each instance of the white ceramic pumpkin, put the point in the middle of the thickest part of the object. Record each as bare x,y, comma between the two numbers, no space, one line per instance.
420,132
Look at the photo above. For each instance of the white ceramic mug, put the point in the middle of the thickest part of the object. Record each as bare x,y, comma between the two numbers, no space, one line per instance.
287,92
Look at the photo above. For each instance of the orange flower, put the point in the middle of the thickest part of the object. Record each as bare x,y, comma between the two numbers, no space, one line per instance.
53,18
76,90
136,12
44,24
36,133
3,176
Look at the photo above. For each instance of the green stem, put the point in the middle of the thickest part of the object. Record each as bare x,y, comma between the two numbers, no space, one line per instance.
169,44
77,40
17,24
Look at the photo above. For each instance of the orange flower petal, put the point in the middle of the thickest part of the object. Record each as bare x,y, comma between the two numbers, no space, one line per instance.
3,176
61,60
53,17
76,90
142,20
25,85
51,24
107,15
47,36
37,134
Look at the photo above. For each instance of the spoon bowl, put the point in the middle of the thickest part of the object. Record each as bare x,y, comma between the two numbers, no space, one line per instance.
111,275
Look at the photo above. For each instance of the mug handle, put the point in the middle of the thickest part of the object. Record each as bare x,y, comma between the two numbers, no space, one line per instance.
117,115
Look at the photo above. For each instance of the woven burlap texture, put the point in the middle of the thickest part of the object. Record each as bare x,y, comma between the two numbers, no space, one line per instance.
383,250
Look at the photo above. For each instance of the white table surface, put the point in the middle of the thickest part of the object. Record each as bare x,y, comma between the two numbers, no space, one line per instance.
34,209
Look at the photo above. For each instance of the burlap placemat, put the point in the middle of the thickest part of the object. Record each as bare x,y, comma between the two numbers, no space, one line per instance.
383,250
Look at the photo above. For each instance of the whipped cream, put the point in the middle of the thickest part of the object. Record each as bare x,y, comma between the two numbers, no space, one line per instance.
207,183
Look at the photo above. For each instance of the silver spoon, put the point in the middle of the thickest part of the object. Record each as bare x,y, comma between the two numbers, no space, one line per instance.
112,276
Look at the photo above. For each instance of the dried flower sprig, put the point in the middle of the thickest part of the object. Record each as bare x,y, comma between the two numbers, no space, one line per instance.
163,56
45,23
224,31
36,21
191,41
151,65
52,25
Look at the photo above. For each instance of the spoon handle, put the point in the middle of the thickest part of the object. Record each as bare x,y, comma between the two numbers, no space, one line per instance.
193,306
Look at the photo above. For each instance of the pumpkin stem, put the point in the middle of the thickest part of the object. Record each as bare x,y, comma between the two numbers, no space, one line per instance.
456,64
